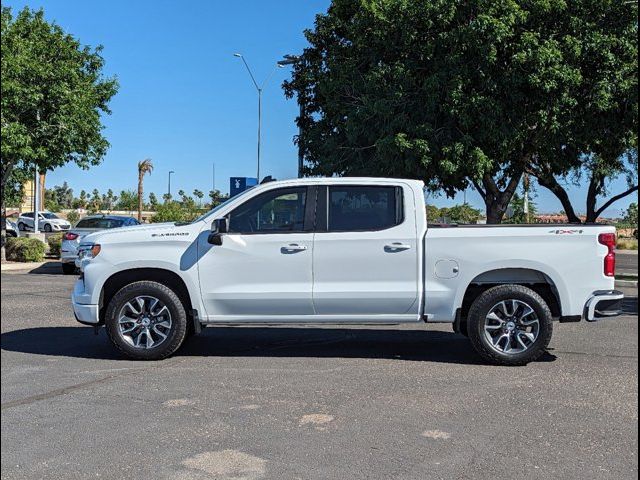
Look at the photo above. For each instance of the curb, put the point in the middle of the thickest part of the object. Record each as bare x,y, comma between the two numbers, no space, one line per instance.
26,266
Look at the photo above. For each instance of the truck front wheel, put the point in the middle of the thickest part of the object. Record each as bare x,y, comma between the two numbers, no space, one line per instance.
146,321
510,325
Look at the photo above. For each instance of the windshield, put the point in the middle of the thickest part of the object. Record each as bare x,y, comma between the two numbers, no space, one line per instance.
48,215
100,223
202,217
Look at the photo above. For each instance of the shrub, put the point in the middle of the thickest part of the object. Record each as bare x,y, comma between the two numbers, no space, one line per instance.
55,244
72,217
174,212
22,249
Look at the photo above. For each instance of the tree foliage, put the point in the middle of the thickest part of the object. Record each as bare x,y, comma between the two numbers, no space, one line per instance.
53,96
456,92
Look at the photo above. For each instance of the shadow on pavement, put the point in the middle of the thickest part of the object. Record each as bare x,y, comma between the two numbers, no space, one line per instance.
630,305
49,268
413,345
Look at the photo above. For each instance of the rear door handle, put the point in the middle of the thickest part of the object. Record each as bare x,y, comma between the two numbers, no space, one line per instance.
293,248
396,247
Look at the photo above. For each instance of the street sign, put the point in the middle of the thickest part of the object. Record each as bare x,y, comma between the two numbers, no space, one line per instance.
240,184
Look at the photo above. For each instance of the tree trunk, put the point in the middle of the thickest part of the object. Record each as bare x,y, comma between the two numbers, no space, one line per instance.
43,177
549,182
497,201
7,168
140,178
3,235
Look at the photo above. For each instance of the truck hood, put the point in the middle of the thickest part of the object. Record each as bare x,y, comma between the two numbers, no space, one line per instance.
141,233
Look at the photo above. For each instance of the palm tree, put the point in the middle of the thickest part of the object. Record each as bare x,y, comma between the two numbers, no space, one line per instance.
199,195
144,166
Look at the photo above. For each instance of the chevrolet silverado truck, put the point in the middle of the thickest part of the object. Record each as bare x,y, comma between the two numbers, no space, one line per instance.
343,251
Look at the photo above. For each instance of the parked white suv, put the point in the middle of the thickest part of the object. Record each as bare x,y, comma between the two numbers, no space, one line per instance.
47,222
343,250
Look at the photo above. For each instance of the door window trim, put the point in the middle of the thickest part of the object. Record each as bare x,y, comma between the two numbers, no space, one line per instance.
309,211
322,216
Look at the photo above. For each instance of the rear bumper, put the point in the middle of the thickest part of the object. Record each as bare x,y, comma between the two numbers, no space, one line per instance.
603,304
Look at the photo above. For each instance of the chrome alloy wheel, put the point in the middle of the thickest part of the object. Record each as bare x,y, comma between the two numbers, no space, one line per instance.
144,322
511,327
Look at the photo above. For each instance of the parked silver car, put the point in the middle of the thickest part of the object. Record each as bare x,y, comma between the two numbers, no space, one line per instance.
47,222
71,239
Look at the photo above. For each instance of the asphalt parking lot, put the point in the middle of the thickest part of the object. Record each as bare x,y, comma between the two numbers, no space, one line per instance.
309,403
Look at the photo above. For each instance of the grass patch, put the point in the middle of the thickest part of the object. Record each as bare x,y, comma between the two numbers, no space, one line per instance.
627,244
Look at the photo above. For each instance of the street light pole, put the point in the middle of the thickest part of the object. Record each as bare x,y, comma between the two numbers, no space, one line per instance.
290,60
36,189
259,89
169,186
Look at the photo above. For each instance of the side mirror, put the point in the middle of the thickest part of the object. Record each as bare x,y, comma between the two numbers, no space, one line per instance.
220,226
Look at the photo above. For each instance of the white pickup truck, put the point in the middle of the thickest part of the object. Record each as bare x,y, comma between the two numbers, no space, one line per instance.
343,251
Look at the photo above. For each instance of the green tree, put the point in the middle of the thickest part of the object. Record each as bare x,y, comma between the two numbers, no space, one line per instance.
462,214
153,201
53,97
62,194
172,211
519,212
631,215
433,214
451,92
144,166
51,201
199,195
96,201
81,201
216,198
128,200
110,199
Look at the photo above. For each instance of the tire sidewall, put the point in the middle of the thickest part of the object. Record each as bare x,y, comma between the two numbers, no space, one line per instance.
486,301
178,320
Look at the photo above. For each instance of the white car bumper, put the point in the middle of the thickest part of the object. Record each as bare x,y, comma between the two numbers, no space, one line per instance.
88,314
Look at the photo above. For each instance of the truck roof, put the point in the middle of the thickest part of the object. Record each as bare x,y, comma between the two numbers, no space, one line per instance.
344,180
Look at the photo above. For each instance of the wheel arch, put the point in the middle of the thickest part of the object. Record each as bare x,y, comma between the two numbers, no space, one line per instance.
163,276
536,280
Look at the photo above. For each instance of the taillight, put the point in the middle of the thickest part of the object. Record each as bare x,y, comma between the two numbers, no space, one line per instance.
70,236
609,241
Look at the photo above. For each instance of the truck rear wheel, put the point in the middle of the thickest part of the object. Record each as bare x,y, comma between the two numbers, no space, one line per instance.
510,325
146,321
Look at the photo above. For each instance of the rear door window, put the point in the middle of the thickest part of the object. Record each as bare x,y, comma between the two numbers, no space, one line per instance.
364,208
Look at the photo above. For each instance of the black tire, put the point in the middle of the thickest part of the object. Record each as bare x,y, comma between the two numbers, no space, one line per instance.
22,227
47,228
482,306
178,330
11,233
68,268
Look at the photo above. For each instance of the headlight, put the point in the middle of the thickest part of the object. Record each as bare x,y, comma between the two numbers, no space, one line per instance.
88,251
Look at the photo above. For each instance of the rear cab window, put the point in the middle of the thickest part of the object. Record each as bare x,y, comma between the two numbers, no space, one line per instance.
364,208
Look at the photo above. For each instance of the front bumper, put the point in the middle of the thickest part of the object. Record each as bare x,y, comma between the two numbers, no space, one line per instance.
603,304
87,314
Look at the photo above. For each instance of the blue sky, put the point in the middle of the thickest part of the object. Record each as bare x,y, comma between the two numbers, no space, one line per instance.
186,102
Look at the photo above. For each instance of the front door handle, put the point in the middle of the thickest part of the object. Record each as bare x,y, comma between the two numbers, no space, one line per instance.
396,247
293,248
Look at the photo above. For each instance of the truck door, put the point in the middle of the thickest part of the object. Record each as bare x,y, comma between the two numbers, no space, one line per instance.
365,257
263,266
